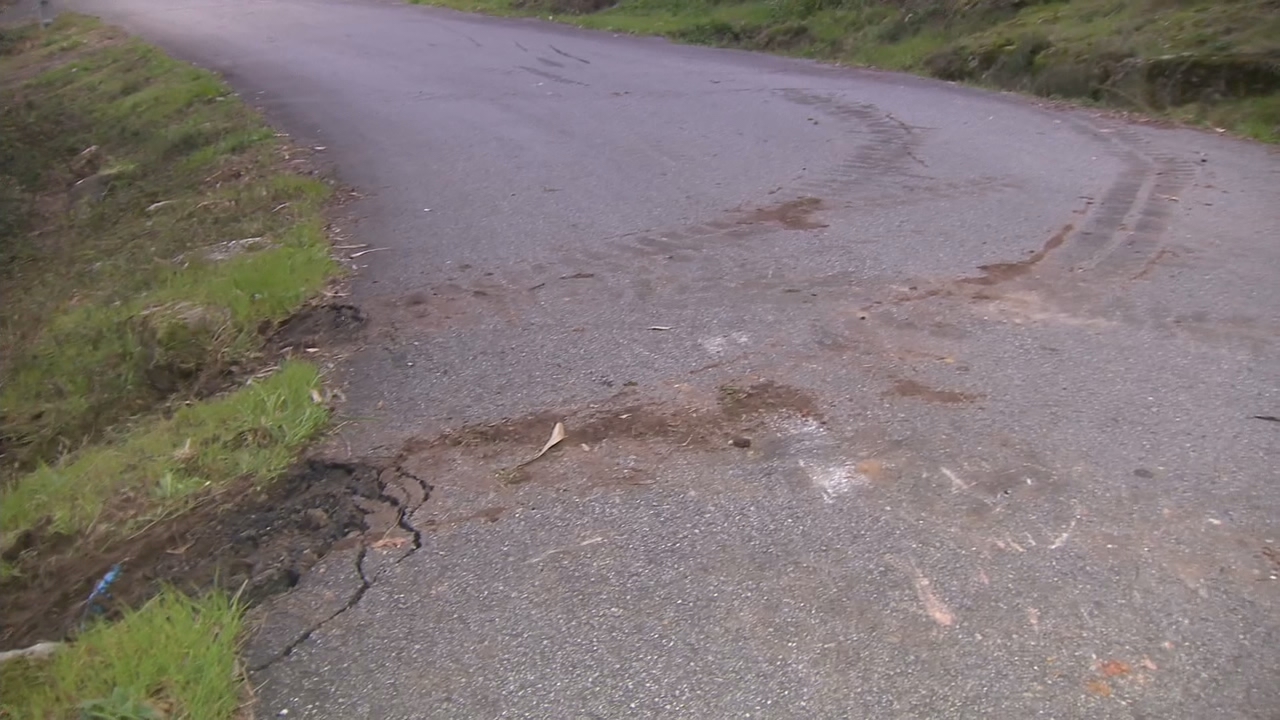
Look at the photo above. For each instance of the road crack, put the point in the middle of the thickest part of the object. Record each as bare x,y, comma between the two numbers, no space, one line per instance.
351,602
414,497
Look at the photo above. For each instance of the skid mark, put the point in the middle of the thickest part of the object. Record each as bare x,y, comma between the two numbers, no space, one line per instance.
957,485
929,599
1126,226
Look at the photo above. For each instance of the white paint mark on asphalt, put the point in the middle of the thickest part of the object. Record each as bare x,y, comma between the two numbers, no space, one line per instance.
1062,539
717,345
822,458
557,551
833,480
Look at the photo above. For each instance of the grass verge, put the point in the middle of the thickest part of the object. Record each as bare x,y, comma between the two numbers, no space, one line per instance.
174,657
1215,62
159,228
255,432
153,232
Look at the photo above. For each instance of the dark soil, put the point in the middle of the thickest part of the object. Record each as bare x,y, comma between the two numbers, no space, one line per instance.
332,324
258,544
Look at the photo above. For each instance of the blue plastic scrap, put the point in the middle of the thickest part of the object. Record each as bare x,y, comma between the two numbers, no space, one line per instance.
101,591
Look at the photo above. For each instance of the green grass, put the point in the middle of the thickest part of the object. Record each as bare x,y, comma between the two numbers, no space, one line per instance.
113,308
174,657
157,467
1075,49
118,318
133,378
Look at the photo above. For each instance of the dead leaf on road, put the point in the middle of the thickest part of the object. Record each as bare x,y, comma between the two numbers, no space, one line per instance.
557,434
391,542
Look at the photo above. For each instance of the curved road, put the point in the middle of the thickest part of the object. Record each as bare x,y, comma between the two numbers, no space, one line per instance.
999,368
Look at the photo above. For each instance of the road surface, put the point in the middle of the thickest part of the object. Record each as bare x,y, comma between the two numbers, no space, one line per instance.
886,398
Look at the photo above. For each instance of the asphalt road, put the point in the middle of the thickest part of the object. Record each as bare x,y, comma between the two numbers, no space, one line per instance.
999,366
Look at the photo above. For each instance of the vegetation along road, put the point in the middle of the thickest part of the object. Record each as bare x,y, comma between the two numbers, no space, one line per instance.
882,397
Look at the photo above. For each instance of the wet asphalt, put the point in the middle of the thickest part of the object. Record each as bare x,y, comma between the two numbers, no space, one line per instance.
1024,470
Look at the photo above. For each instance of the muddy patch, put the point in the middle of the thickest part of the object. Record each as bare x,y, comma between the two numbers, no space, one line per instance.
258,544
907,388
618,445
793,214
453,304
321,325
700,426
997,273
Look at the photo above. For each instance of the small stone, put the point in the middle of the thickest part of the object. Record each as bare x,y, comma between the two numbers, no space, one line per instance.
90,189
741,442
87,162
316,519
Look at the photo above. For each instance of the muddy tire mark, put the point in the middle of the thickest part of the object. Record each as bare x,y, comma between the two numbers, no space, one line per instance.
1129,224
641,264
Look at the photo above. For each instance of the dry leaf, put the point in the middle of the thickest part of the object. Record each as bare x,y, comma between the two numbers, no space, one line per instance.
391,542
184,453
315,397
557,434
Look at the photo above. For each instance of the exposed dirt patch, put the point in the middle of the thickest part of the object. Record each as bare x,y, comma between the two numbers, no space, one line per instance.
327,325
997,273
737,403
873,469
792,214
451,304
258,540
634,434
905,387
697,426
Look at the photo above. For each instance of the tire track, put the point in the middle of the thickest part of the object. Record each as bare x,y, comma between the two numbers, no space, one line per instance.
638,266
1128,227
